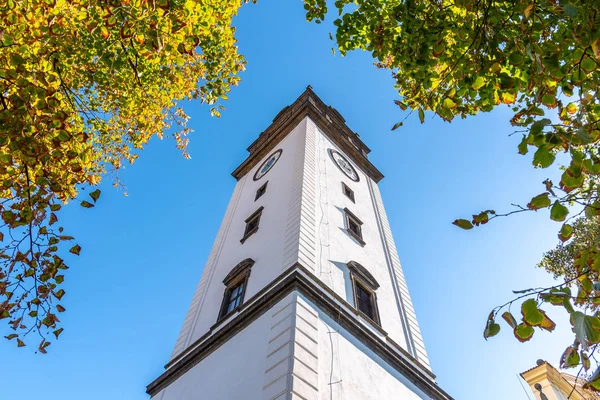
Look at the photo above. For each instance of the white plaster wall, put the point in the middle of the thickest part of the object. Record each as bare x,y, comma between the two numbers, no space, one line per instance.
234,371
348,370
336,248
271,247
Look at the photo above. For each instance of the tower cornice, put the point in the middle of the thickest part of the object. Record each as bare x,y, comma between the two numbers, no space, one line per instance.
298,278
327,118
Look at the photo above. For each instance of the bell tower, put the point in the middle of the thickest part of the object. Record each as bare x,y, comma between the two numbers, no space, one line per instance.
302,295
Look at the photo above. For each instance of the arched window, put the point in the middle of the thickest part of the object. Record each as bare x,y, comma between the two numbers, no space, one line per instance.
235,287
364,286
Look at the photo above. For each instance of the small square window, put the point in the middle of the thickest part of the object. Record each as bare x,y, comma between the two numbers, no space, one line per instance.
261,190
348,192
354,226
252,224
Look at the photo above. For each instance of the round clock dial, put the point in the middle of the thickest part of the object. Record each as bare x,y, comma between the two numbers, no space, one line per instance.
344,165
267,165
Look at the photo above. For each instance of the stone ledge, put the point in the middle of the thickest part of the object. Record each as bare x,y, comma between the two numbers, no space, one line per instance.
300,279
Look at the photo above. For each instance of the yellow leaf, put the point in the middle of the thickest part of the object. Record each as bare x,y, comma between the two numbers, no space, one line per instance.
508,98
105,33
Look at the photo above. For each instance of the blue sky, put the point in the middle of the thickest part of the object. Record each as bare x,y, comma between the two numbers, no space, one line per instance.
142,255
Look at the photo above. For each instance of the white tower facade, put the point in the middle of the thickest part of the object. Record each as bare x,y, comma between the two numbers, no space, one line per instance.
303,295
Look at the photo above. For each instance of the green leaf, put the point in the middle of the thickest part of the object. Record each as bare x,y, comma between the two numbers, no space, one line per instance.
547,324
549,100
11,336
538,126
400,104
588,65
421,115
449,103
523,332
583,135
523,291
587,328
570,10
523,146
585,360
86,204
478,83
510,319
397,125
558,212
463,223
543,158
531,314
58,332
59,294
571,181
516,58
95,195
491,328
539,201
570,358
75,249
594,381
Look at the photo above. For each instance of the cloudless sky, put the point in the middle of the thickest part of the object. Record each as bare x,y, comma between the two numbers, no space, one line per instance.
128,292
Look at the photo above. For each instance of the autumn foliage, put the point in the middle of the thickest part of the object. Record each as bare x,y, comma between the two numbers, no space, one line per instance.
83,86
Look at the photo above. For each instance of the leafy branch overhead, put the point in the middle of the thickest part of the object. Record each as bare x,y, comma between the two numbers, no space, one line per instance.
541,58
84,85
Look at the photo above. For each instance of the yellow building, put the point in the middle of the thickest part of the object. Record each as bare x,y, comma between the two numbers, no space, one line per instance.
548,383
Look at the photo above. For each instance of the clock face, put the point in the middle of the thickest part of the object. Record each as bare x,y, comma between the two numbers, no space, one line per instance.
267,165
344,165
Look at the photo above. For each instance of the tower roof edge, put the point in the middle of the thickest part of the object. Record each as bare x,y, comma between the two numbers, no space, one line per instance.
327,118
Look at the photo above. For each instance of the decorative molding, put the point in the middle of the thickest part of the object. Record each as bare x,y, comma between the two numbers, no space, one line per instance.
363,274
410,327
350,213
292,359
329,121
297,278
299,245
238,270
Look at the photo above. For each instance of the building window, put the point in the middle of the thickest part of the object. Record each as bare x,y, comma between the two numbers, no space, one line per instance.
364,286
354,226
364,300
348,192
235,287
234,298
252,224
261,190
